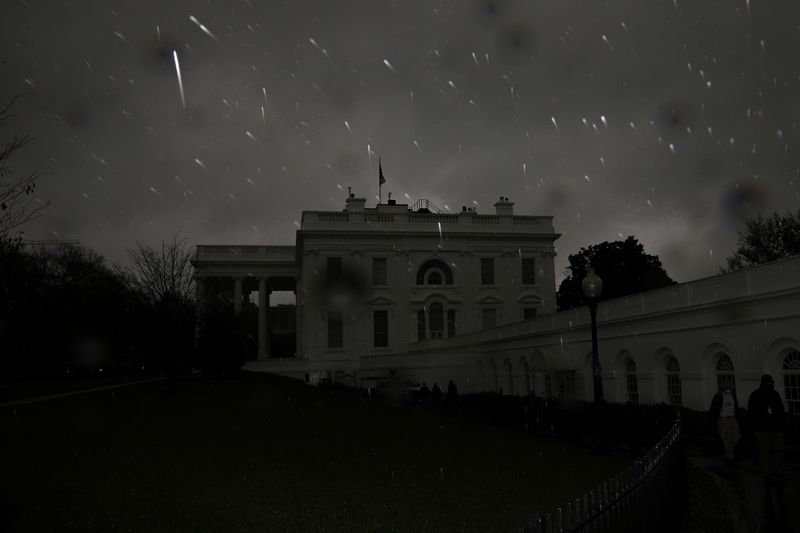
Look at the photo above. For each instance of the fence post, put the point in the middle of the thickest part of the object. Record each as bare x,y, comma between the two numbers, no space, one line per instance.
534,523
569,522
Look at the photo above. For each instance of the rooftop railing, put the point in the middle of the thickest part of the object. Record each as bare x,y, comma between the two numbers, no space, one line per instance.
412,217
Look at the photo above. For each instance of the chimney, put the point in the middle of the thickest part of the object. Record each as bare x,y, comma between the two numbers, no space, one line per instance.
355,205
504,207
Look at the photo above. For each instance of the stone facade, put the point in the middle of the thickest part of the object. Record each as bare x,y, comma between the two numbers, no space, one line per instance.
414,293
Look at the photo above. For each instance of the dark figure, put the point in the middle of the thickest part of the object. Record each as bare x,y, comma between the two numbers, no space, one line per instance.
452,397
766,415
436,392
723,410
424,392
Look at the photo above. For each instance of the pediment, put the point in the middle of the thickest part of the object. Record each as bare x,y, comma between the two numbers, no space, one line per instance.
530,299
435,296
380,300
489,300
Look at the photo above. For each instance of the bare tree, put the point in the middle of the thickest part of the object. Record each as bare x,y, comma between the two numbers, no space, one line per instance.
18,203
163,274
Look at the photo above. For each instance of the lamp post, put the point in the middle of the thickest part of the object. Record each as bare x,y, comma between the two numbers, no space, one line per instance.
592,287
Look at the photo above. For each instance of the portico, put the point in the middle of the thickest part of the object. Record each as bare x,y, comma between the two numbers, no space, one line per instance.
226,275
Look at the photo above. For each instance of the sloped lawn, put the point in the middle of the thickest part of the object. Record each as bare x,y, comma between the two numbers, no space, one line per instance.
263,453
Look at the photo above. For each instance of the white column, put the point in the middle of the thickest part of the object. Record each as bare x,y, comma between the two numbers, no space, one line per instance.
237,295
263,319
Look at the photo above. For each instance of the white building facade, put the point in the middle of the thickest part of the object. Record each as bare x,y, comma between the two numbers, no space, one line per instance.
414,293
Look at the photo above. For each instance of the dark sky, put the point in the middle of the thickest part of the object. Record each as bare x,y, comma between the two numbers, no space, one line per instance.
667,120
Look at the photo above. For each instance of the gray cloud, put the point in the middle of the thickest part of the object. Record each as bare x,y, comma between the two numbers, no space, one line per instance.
673,121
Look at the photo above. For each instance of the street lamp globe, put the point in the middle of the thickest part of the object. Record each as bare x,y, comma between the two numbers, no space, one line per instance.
592,285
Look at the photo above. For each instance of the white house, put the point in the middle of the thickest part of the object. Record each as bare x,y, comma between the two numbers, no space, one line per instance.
416,293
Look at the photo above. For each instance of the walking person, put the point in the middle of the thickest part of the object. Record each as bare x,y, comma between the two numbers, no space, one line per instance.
766,415
452,398
724,407
436,392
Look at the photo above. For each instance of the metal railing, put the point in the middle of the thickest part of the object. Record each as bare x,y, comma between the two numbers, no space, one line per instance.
648,496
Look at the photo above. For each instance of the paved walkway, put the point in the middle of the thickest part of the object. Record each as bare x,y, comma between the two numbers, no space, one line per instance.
757,507
72,393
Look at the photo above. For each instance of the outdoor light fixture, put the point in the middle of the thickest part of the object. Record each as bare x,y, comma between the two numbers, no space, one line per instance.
592,287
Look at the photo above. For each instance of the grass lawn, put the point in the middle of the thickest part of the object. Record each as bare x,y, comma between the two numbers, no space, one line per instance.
263,453
19,390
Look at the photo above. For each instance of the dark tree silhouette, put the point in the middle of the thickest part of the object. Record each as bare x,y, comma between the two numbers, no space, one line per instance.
765,240
165,277
164,274
18,203
64,307
623,266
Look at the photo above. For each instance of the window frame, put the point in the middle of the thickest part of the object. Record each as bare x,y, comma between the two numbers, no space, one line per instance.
376,270
532,271
791,381
631,381
724,376
333,267
384,332
334,317
488,273
673,381
484,312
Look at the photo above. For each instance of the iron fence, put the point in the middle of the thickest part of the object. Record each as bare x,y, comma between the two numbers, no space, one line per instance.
648,496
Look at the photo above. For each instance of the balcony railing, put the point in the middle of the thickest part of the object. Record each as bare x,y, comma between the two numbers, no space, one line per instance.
244,253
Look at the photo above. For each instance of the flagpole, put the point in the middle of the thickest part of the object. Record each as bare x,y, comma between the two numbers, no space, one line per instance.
380,196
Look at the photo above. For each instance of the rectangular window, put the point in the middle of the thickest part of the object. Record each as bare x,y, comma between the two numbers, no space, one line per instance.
489,318
335,330
529,313
380,328
379,271
528,271
487,271
334,268
421,325
451,322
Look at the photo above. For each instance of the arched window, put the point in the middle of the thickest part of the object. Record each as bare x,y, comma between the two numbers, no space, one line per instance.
433,277
724,368
435,265
631,381
526,376
495,382
791,381
509,378
436,320
674,388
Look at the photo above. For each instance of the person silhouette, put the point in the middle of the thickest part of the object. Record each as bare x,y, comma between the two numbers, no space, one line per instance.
436,392
766,415
723,410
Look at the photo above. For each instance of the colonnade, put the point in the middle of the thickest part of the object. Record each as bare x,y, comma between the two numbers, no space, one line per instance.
210,289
